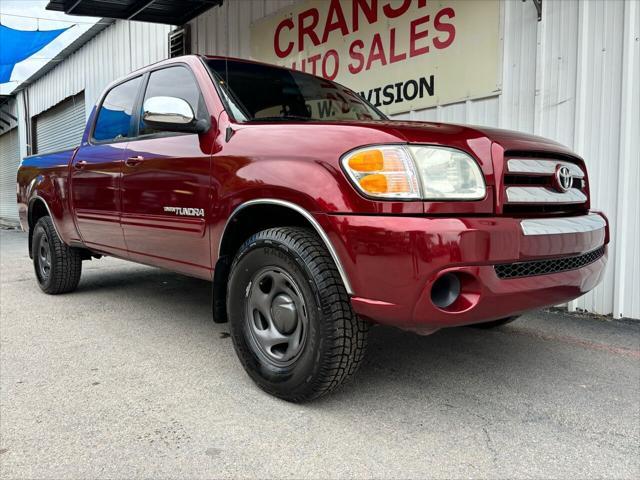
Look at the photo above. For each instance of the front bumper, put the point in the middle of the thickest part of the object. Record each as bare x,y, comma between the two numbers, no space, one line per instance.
393,262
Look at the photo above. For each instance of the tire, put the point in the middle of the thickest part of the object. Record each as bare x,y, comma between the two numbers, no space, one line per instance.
496,323
57,266
284,287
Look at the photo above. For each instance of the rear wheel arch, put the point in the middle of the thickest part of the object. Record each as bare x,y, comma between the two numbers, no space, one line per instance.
38,208
250,218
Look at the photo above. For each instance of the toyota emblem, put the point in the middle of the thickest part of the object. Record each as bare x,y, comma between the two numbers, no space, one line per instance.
564,179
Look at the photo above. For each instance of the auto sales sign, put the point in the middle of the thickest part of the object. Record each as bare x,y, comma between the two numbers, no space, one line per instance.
399,54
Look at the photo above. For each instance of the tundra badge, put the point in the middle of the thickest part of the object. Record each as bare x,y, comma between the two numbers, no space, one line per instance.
188,212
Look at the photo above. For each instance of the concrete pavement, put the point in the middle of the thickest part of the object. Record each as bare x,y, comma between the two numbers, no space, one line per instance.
129,377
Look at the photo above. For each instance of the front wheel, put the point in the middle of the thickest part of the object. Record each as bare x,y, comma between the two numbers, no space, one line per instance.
57,266
290,317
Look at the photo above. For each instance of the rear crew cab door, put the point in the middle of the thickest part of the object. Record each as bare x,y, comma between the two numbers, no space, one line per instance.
166,183
96,170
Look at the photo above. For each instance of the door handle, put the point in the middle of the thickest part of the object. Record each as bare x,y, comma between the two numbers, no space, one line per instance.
80,164
133,161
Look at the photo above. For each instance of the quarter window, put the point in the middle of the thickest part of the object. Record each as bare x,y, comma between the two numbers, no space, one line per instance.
176,82
114,117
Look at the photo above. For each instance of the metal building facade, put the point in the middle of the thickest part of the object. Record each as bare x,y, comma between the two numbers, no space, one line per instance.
574,77
117,50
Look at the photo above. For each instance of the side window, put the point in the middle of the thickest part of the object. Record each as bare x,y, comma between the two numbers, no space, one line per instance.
173,82
114,117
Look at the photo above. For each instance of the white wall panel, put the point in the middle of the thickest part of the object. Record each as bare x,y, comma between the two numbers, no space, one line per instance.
519,40
225,30
597,120
9,161
626,300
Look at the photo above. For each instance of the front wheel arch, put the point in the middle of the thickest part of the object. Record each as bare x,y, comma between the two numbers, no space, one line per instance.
250,218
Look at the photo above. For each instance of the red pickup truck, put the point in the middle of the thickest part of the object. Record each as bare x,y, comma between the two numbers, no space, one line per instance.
313,214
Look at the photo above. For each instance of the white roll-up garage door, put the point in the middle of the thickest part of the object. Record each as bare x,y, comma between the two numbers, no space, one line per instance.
60,127
9,161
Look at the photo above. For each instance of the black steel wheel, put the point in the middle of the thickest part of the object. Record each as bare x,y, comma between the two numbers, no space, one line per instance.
57,266
43,257
277,318
290,317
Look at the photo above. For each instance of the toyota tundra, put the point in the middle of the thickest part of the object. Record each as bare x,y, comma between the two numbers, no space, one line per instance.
313,215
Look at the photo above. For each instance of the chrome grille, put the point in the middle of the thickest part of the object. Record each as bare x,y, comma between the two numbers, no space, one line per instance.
534,166
532,185
544,195
545,267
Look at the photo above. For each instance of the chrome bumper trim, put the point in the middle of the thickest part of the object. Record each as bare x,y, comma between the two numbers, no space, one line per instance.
543,195
557,226
541,167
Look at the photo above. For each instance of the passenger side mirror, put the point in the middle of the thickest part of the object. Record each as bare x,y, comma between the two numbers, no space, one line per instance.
172,114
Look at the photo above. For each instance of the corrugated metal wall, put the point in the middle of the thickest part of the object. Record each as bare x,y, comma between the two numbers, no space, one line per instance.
60,127
572,77
9,160
626,300
114,52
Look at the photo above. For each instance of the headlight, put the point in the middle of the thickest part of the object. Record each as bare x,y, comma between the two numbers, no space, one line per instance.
415,172
448,174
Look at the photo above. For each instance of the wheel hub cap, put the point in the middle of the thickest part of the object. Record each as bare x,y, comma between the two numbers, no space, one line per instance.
276,316
44,257
284,313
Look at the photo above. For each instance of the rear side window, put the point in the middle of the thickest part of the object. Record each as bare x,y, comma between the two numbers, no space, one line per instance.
176,82
114,117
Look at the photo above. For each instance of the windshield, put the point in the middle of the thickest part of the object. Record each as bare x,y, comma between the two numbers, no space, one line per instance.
256,92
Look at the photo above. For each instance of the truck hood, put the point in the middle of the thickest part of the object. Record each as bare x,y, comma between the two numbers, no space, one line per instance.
451,133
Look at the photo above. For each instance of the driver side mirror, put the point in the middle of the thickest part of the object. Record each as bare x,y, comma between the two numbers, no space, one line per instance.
172,114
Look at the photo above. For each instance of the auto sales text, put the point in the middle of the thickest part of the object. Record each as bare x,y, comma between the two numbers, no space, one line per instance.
307,30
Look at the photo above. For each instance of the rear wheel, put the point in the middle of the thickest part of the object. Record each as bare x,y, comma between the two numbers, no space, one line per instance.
496,323
57,266
291,320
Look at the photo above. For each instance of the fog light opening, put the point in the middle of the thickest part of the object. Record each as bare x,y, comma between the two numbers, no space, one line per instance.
445,290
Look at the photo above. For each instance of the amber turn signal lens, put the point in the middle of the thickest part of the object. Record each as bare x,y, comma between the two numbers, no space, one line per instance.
375,183
385,171
367,161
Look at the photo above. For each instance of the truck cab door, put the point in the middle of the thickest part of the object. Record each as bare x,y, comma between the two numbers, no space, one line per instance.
96,171
166,185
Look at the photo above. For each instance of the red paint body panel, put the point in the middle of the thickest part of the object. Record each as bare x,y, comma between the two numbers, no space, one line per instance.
391,251
47,177
95,186
392,263
173,171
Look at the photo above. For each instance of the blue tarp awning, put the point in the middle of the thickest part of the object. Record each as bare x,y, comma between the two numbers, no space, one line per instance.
18,45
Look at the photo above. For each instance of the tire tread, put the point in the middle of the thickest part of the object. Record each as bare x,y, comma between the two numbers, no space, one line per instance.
66,267
345,330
